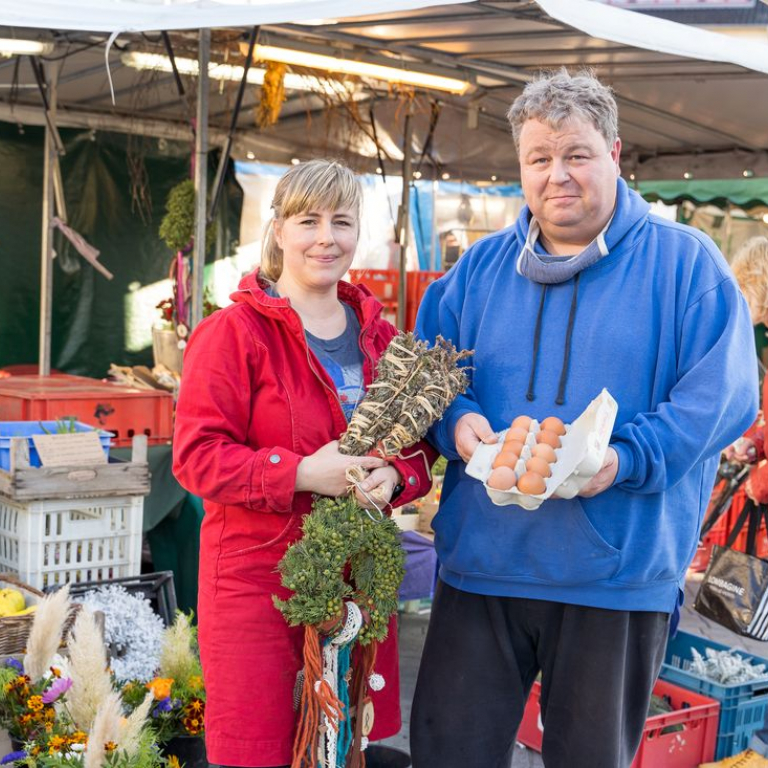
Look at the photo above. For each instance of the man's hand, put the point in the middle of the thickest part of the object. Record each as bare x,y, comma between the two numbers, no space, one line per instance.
605,475
471,430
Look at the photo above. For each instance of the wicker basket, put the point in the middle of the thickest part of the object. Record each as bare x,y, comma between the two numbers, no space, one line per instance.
14,630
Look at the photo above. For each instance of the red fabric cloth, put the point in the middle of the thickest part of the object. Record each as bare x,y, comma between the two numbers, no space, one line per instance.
758,475
254,401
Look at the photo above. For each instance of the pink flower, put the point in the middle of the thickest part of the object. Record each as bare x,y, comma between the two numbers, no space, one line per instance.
60,686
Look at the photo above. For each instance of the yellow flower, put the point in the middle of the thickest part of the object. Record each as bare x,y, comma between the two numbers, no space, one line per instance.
49,713
8,687
173,762
36,750
78,737
160,687
195,682
110,746
55,671
35,703
195,706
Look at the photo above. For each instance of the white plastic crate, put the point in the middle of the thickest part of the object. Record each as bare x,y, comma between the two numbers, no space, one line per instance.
56,541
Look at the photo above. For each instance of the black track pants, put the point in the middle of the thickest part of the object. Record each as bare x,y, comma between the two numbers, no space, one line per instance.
482,655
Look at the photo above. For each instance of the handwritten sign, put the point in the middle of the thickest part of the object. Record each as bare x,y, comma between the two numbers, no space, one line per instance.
71,450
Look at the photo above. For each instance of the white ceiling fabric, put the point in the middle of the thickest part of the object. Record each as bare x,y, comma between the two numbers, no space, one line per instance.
155,15
629,28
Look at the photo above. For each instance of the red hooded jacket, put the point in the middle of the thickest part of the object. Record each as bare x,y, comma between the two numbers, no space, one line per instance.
253,402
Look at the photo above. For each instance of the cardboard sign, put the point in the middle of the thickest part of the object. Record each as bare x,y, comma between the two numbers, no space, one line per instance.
70,450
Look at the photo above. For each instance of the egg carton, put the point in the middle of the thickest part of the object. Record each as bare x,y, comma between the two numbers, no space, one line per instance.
579,456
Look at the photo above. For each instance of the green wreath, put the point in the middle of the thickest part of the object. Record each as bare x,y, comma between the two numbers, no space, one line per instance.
338,532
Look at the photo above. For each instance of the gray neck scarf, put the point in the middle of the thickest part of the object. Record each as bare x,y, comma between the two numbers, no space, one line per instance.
547,270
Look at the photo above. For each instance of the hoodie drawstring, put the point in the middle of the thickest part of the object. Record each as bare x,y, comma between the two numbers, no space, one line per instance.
536,339
568,335
530,395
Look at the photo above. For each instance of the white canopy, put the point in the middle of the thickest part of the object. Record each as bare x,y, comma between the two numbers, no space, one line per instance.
151,15
596,19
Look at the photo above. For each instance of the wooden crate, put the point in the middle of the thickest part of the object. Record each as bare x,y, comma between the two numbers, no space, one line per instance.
116,478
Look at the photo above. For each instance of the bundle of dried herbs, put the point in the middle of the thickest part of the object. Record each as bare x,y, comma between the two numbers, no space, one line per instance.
414,385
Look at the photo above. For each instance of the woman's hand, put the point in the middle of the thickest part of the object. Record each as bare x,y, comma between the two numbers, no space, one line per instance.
743,450
324,472
379,485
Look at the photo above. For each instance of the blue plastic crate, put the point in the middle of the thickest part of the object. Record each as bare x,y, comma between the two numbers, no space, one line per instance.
742,705
9,429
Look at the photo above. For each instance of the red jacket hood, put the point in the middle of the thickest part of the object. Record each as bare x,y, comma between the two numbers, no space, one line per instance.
251,290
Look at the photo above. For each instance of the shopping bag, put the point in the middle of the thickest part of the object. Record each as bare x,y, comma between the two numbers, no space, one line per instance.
734,591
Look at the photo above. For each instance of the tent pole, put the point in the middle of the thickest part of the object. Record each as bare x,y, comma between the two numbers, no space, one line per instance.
201,178
435,242
403,218
46,250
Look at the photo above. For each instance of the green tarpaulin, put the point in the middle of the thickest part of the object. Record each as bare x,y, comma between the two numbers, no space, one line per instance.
743,193
104,176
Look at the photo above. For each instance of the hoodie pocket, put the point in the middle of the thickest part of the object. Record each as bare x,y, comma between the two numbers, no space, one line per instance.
556,543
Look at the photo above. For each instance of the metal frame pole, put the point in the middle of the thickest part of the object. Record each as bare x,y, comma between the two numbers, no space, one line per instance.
404,218
46,247
201,178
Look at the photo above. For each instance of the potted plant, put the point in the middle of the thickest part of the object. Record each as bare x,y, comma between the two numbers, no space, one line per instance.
178,708
65,711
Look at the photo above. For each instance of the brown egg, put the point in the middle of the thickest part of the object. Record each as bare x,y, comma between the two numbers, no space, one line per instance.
513,446
550,438
524,422
502,479
506,459
544,451
539,465
516,433
553,424
531,483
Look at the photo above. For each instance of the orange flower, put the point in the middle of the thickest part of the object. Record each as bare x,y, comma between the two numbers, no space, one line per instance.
78,737
160,687
35,703
56,744
110,746
195,707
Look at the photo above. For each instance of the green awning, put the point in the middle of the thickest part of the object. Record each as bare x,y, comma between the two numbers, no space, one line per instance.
744,193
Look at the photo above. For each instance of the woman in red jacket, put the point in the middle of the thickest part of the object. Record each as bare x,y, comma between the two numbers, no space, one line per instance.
269,384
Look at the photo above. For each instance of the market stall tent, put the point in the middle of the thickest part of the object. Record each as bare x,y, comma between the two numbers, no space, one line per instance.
692,103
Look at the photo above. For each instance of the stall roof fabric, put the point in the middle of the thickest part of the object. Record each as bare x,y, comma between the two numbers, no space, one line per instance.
744,193
690,101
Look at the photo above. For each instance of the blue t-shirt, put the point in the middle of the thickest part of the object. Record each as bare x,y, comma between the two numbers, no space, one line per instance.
342,359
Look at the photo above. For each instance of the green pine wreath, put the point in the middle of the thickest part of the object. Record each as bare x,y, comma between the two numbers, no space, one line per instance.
338,532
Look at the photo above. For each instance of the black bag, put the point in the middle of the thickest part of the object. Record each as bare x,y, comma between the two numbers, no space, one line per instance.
734,591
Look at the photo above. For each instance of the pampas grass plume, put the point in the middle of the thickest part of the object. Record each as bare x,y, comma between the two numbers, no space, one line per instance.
130,729
177,658
91,683
45,635
106,728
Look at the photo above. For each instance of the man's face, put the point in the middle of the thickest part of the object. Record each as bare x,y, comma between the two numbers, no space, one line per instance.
569,177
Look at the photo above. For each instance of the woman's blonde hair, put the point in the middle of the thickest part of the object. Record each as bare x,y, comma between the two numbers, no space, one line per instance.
314,185
750,266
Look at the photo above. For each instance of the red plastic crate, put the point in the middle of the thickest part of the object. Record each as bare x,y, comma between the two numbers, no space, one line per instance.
695,744
383,283
415,288
124,411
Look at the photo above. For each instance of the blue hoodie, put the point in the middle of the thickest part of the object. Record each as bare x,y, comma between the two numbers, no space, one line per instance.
660,322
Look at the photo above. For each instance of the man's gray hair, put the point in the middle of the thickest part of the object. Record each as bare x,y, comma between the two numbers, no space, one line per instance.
555,98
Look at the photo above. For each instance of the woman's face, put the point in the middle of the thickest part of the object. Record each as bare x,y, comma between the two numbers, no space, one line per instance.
318,246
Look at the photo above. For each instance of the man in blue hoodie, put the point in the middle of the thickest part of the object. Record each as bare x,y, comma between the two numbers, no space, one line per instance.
587,290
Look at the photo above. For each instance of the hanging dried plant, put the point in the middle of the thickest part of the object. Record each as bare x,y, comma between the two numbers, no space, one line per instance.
272,95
